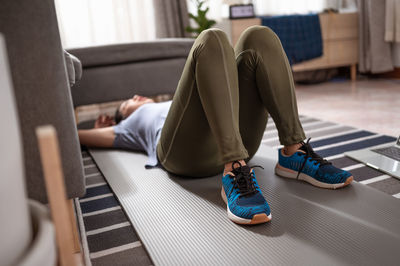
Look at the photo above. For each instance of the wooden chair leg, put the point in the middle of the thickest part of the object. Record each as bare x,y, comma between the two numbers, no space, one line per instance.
77,243
353,72
54,180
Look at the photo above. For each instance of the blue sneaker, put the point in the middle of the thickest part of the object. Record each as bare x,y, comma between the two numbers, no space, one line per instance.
242,194
306,165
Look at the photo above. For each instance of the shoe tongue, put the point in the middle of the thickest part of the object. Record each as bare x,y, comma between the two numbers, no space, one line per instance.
243,169
246,169
305,146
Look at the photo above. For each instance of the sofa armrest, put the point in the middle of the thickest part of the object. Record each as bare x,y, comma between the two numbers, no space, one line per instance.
74,68
116,72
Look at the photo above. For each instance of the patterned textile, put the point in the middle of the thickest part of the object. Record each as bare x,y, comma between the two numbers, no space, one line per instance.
300,35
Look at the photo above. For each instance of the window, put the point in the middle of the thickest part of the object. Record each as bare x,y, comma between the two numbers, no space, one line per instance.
97,22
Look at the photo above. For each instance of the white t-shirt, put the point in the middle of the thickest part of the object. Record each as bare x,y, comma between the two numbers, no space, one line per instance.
141,130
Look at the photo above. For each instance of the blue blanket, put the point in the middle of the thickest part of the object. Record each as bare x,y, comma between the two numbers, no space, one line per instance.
300,35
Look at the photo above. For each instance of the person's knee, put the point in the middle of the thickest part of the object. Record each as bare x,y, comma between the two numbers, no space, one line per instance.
260,36
212,32
258,32
214,38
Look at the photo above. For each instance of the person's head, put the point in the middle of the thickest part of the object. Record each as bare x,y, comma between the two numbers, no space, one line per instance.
129,106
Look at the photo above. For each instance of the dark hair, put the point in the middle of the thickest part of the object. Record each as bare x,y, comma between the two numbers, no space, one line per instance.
118,116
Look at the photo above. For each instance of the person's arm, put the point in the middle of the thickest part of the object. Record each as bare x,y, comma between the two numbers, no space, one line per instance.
97,137
101,136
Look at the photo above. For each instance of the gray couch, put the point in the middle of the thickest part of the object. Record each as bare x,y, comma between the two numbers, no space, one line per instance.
42,84
116,72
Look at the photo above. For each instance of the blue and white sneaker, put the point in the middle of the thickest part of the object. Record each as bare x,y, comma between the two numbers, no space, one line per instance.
306,165
242,194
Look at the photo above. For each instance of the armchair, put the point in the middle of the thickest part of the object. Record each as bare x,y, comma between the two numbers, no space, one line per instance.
41,89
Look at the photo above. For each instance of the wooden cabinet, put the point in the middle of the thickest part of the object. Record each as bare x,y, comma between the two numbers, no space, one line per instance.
340,40
339,36
239,25
233,28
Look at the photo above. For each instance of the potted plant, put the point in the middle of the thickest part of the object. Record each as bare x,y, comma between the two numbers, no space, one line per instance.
201,20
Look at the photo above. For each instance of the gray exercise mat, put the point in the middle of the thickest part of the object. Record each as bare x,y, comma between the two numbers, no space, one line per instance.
183,221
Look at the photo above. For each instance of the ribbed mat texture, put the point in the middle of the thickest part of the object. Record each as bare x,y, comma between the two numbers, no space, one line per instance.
109,238
183,221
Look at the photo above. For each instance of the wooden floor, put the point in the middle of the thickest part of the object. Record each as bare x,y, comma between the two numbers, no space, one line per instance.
372,104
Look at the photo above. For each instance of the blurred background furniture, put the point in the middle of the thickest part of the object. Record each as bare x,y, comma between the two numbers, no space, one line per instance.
27,233
117,72
340,41
59,206
15,229
42,92
339,35
41,89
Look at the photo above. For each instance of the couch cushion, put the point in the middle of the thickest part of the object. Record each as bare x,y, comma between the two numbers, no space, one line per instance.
132,52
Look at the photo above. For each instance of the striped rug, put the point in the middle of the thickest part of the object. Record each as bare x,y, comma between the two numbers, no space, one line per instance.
108,238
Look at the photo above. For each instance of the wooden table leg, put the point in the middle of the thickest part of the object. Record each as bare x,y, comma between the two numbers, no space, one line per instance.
353,72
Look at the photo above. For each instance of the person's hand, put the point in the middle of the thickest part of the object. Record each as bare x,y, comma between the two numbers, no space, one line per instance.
104,121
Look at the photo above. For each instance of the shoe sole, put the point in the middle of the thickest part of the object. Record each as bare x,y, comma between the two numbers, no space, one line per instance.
256,219
285,172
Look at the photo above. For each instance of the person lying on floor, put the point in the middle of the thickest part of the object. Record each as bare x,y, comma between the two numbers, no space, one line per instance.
216,121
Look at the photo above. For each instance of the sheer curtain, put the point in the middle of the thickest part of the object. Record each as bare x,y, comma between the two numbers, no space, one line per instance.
220,8
263,7
96,22
171,18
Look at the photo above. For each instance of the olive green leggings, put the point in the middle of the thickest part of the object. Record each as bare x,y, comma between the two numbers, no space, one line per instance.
220,108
